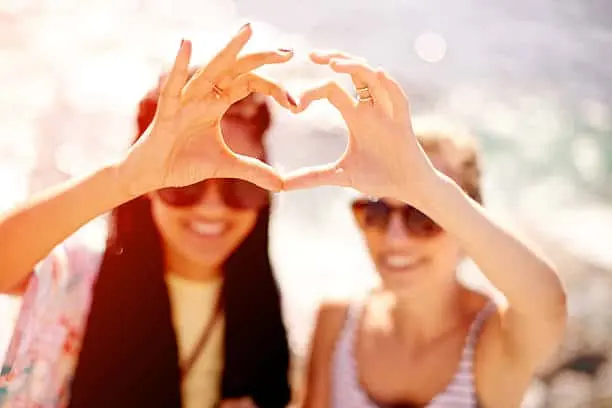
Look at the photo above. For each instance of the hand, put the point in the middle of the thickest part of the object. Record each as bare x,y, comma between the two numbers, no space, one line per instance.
244,402
184,143
383,157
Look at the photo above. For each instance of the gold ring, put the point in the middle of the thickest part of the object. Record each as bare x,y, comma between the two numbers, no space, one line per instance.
218,91
363,94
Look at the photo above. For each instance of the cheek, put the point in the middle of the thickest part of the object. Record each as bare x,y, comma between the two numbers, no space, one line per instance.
165,218
243,222
374,240
183,246
445,251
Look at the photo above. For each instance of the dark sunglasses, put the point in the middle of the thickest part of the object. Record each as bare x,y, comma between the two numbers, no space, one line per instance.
377,214
235,193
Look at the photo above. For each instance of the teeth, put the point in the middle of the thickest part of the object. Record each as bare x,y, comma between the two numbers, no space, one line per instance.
208,228
400,261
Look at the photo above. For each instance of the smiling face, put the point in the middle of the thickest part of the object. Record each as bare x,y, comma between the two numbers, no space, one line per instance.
201,225
409,249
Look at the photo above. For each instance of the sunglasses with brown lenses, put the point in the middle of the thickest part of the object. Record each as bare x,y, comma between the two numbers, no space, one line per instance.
377,214
235,193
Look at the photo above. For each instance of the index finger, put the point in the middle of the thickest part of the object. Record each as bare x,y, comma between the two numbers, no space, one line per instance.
225,58
324,57
398,97
333,92
205,77
173,83
250,83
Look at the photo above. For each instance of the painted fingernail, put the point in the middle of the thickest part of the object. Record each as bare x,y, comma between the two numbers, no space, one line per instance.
291,100
285,50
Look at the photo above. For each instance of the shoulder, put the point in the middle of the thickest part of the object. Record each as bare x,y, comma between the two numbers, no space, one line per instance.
330,320
68,271
493,366
51,318
333,310
71,265
331,317
486,313
79,254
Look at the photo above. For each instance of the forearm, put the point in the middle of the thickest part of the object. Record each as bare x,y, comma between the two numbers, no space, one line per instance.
527,280
31,231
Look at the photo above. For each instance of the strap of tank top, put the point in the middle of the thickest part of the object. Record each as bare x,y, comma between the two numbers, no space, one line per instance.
479,320
348,332
352,313
188,364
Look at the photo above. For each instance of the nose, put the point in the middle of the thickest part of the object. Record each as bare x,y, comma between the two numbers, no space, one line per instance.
396,232
212,200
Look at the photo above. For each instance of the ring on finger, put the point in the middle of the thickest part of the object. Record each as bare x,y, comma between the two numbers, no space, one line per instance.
217,91
363,94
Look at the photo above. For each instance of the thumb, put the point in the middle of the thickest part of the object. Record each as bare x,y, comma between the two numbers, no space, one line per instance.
309,177
252,170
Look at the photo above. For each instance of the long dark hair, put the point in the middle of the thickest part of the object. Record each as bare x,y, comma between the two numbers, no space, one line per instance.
129,355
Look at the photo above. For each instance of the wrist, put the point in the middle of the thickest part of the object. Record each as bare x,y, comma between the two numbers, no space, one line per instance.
131,178
123,187
430,192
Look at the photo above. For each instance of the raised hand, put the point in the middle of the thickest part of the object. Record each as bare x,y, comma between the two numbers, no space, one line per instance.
184,143
382,155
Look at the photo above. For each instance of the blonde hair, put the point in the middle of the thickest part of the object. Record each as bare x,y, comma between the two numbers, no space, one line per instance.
461,152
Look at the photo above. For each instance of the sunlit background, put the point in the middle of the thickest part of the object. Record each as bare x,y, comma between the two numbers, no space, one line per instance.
530,78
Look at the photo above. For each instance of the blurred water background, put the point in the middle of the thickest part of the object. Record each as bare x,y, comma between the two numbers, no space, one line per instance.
530,79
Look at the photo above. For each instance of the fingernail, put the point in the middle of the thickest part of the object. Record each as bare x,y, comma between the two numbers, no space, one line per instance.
285,50
244,27
182,42
291,100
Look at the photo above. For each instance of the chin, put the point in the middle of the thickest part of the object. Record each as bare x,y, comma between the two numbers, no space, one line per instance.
206,251
204,260
400,282
405,279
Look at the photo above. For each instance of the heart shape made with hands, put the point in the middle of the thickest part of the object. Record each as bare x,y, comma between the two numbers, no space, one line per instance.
185,136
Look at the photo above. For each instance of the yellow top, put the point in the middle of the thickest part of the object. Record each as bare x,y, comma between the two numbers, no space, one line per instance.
193,305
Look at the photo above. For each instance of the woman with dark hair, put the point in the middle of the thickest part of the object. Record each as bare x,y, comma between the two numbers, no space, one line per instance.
181,308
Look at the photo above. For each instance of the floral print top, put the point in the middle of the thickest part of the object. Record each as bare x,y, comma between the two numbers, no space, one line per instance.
42,354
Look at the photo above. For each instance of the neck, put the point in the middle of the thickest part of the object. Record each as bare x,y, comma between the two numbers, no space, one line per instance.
189,270
421,315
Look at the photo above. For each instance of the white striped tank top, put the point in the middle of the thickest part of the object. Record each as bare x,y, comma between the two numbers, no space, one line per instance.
347,392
